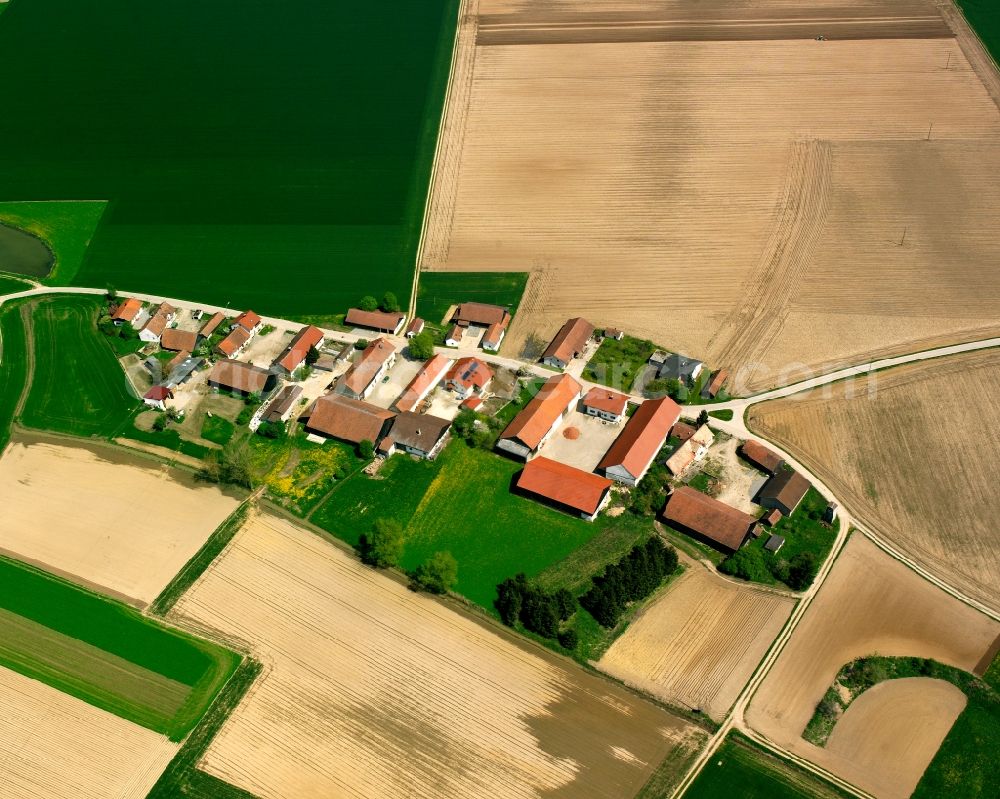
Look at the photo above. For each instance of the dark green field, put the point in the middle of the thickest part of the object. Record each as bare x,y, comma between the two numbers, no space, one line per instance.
438,291
155,663
273,155
78,387
984,16
740,769
11,285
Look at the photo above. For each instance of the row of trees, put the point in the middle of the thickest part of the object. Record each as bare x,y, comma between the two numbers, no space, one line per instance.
383,548
540,611
633,577
750,563
389,303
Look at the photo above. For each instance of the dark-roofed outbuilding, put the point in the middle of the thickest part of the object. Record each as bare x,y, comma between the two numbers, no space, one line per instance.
784,491
698,514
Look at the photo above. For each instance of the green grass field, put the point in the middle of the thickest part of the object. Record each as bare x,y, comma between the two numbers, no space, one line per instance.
279,162
13,365
107,653
12,285
618,363
217,429
460,503
740,768
440,290
66,227
78,386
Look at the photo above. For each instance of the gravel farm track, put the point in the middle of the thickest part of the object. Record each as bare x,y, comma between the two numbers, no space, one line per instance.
821,202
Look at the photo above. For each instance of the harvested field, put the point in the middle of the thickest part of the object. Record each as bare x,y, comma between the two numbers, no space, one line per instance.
869,603
373,690
55,746
910,451
102,518
700,641
894,730
829,199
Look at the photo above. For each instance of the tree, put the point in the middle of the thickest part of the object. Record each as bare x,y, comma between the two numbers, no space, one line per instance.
702,418
747,564
565,602
112,293
438,574
368,303
422,345
366,450
389,302
361,344
568,638
312,355
160,423
510,598
383,547
231,465
801,570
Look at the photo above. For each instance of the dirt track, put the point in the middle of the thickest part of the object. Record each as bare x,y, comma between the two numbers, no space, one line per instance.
743,201
909,461
869,604
893,731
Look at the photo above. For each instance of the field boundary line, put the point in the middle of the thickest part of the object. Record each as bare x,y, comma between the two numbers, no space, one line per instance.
445,108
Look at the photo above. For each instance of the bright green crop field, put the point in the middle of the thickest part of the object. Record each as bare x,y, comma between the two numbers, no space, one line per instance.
438,291
742,769
66,227
984,17
265,155
107,653
78,386
13,366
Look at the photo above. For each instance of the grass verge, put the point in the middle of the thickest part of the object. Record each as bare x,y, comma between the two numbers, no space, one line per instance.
202,559
75,634
182,777
438,291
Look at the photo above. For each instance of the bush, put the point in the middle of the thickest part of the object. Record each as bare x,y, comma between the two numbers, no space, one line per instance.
568,638
368,303
160,423
244,415
747,564
272,430
801,571
438,574
702,418
366,450
312,355
383,547
389,302
422,345
361,344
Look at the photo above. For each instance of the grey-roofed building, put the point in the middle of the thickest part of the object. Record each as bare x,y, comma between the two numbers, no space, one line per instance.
280,409
417,434
183,371
774,543
680,367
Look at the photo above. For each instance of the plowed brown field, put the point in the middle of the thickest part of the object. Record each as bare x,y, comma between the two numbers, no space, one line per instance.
102,518
700,641
912,456
870,603
711,177
54,746
893,731
372,690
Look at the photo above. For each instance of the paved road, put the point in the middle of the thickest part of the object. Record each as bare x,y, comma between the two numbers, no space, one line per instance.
736,427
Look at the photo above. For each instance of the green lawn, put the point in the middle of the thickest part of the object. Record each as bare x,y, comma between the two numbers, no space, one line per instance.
460,503
618,363
78,386
13,366
984,17
297,143
75,640
66,227
440,290
740,769
725,415
217,429
11,285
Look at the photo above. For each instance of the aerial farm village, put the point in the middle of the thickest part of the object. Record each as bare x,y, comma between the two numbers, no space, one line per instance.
489,398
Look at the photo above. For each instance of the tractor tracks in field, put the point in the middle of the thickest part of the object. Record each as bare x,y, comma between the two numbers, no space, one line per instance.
758,319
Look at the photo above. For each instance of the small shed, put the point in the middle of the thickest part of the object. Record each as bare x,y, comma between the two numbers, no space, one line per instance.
772,518
774,543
